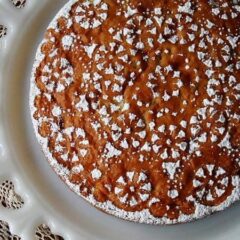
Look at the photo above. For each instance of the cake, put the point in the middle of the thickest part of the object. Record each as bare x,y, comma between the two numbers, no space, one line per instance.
136,105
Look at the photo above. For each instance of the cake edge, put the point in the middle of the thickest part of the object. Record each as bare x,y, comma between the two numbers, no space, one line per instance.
143,216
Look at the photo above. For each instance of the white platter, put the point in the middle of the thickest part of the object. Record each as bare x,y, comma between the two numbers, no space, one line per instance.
47,199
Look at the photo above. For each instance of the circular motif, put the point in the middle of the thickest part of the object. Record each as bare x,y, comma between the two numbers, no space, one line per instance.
212,185
91,14
136,106
132,190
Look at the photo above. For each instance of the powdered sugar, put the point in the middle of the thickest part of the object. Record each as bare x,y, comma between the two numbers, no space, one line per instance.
142,141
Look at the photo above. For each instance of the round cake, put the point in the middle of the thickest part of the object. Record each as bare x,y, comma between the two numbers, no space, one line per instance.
136,105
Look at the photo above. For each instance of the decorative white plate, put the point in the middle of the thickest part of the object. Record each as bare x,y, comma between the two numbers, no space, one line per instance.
47,200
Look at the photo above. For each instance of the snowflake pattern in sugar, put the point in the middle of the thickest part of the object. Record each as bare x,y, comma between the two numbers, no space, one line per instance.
137,106
91,14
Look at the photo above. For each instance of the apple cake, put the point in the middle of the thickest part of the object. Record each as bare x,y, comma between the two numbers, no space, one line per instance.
136,105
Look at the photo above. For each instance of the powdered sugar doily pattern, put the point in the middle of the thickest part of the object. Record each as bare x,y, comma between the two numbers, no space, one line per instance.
156,96
91,8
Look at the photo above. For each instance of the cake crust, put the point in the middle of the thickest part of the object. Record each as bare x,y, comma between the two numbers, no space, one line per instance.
136,105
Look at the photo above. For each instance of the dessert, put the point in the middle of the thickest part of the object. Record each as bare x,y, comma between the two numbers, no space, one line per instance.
136,105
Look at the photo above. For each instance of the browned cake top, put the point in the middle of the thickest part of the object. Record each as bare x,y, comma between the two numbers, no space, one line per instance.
136,105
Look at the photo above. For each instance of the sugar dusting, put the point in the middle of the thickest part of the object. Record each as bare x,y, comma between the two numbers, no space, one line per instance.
145,215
